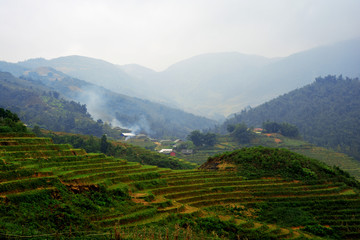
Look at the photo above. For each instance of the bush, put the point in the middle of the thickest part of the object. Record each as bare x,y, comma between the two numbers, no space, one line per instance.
150,184
34,196
5,129
10,122
322,231
285,216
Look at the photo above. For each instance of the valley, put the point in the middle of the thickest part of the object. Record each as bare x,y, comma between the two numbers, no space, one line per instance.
112,152
180,120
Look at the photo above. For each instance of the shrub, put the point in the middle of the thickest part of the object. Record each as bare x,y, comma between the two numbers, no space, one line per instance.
34,196
141,185
285,216
322,231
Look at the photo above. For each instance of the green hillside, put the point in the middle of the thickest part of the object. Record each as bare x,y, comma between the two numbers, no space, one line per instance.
56,191
326,113
119,149
139,115
226,143
39,105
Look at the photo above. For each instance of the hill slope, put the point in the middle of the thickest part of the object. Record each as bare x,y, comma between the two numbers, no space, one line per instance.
54,190
139,115
326,113
40,105
120,110
227,143
258,162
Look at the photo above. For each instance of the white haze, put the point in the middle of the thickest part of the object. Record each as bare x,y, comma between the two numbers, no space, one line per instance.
97,107
158,33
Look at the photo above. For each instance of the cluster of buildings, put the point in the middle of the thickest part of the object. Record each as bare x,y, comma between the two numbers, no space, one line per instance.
167,143
174,144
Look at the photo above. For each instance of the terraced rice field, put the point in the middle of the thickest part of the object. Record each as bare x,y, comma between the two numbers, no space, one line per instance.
34,166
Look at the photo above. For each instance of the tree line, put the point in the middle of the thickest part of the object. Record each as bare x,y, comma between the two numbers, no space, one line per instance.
10,122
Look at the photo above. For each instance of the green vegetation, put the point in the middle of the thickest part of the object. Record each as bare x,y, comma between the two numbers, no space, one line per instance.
39,106
202,139
257,162
284,129
326,113
91,195
275,140
240,133
118,149
10,122
56,191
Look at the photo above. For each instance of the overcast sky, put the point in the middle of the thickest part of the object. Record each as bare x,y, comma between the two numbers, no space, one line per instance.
158,33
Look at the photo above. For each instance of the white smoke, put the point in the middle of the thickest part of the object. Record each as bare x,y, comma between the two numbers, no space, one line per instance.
96,103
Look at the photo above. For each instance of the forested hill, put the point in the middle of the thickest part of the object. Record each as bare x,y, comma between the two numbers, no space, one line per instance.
139,115
326,113
38,105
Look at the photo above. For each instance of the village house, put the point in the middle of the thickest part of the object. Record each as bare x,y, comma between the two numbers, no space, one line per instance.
165,151
168,152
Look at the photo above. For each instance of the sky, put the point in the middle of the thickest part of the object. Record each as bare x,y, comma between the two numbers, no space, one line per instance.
158,33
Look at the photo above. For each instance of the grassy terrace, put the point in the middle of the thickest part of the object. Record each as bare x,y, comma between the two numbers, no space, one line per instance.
43,172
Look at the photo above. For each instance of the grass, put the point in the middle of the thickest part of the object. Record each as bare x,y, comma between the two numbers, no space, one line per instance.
130,194
226,143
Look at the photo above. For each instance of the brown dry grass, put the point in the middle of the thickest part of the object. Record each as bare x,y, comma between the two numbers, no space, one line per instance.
227,166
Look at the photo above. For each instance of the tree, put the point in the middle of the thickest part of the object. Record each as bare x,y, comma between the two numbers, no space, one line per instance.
92,145
241,133
10,122
286,129
37,131
209,139
271,127
230,127
200,139
8,114
289,130
185,145
104,145
69,123
196,138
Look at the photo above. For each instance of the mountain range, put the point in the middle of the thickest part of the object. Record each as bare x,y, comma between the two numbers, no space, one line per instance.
214,84
224,83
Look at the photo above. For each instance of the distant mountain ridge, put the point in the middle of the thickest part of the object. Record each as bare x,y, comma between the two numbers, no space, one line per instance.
228,82
92,70
214,84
